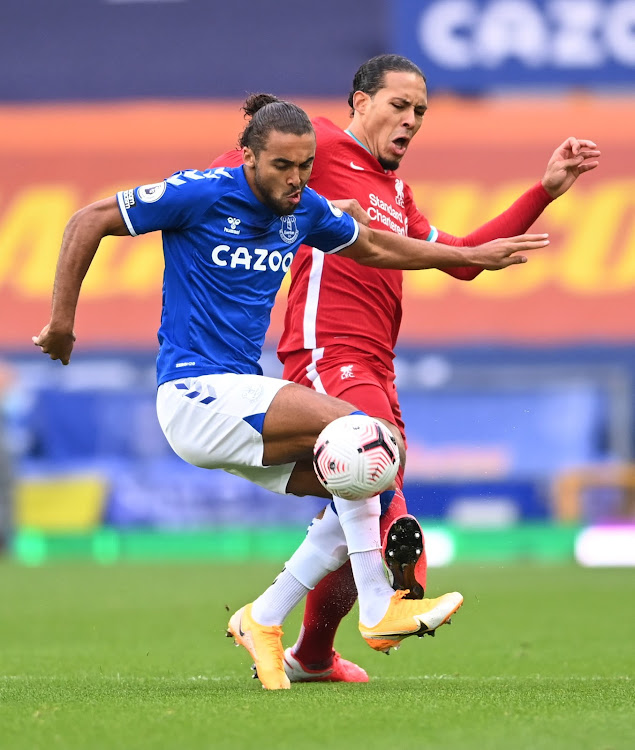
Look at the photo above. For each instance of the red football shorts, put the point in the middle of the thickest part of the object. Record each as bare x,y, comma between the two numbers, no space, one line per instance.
362,380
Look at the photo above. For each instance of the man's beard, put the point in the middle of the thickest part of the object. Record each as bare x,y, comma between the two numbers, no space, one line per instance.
390,165
274,204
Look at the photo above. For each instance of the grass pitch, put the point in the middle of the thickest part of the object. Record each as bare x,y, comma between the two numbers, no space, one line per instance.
134,656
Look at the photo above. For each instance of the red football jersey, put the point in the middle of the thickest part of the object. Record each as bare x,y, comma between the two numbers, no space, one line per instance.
342,302
332,299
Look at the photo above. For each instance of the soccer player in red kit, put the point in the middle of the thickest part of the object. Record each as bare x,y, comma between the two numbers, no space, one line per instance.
342,321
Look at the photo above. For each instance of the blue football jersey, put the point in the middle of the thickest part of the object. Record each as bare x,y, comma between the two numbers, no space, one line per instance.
226,254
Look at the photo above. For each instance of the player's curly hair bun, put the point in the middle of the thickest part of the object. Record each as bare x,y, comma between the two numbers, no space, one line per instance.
266,113
254,102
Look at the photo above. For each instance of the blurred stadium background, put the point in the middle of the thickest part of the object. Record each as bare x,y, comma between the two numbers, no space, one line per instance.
517,388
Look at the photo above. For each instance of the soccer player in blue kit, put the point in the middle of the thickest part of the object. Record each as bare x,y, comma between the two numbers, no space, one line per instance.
229,236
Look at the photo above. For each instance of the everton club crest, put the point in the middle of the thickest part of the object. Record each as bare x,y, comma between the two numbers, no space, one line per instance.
289,229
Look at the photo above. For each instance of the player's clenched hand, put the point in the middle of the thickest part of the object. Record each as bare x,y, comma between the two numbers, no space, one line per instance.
497,254
56,344
352,207
571,159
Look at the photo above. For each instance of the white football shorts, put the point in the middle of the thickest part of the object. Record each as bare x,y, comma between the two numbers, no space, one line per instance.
216,421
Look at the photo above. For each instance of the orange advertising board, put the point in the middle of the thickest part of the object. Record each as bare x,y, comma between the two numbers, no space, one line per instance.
469,162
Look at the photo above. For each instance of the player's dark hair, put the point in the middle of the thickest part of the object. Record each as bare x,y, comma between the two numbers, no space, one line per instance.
267,113
370,76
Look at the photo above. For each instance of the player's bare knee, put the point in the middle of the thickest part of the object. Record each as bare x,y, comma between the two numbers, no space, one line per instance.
294,419
398,437
303,481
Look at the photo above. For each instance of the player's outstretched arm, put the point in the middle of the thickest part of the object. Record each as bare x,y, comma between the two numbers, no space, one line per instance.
388,250
354,209
82,236
571,159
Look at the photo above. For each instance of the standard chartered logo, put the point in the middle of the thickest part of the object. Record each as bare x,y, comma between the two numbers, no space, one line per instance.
387,214
257,259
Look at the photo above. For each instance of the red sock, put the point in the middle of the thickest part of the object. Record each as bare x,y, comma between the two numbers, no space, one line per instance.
330,601
333,598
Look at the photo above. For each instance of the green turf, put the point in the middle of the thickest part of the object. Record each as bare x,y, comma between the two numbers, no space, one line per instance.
134,656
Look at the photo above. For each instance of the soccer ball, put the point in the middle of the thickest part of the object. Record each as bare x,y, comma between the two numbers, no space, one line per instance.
356,457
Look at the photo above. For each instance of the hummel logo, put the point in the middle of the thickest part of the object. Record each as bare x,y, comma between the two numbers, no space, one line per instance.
354,166
233,223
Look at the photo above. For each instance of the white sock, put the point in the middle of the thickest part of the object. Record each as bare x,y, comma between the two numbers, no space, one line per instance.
360,523
370,577
322,551
359,520
272,607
